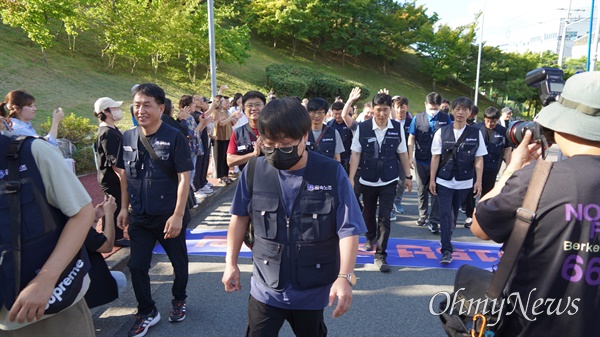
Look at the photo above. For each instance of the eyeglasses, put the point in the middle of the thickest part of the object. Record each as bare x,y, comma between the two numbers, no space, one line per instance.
285,149
320,112
252,106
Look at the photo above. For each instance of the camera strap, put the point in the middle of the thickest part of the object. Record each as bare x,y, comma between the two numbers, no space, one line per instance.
452,153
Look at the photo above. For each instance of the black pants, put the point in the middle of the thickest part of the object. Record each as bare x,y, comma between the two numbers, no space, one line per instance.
423,195
488,181
220,155
470,200
202,162
378,228
450,200
115,191
143,238
358,188
266,321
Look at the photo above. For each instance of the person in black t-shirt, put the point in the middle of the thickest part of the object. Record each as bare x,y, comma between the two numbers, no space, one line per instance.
108,111
556,277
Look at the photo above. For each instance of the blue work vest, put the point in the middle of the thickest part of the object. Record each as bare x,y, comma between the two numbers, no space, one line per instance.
39,230
327,144
424,134
461,166
379,162
151,190
495,145
303,249
346,135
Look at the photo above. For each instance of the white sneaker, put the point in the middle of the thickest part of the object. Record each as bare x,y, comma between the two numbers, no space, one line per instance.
199,195
206,190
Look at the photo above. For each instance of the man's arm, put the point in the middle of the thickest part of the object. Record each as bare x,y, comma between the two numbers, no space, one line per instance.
435,163
354,160
235,237
410,147
405,162
123,217
478,175
507,155
341,288
174,223
32,300
354,95
240,159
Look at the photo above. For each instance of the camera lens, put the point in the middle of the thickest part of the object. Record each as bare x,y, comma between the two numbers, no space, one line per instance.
516,131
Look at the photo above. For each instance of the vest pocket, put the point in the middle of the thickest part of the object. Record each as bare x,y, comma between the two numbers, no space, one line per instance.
161,196
316,218
317,263
264,215
129,161
267,262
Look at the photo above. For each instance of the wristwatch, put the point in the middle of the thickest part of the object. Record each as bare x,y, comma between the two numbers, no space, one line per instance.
351,278
409,177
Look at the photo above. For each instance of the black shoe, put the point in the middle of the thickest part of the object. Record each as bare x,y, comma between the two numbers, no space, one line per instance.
446,258
468,222
382,265
368,246
422,221
177,311
142,323
122,243
433,227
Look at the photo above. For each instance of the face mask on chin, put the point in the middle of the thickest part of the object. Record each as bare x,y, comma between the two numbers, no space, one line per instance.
284,161
432,112
117,114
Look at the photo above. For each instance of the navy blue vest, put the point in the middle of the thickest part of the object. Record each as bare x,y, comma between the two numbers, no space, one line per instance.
462,165
304,249
407,123
327,144
495,145
424,135
39,231
346,135
245,141
379,161
151,190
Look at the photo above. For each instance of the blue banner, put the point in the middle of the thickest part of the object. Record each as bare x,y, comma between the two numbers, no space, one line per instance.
401,252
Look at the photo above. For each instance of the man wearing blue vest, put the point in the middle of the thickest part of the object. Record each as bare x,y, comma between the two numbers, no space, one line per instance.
306,225
323,139
421,130
457,150
245,142
400,110
345,126
380,148
157,162
497,146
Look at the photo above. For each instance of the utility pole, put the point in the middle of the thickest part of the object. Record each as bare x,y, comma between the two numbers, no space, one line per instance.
561,51
479,59
211,42
590,37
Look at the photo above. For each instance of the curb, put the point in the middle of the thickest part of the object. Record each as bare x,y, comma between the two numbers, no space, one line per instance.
118,260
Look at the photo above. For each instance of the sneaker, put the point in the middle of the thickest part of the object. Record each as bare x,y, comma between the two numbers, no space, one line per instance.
177,311
398,208
422,221
368,246
199,196
382,265
446,258
393,216
433,227
461,209
209,185
468,222
206,190
143,322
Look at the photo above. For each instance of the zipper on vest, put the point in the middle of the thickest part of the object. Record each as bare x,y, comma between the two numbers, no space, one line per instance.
2,256
287,228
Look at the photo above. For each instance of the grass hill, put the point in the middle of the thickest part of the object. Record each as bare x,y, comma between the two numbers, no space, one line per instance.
75,80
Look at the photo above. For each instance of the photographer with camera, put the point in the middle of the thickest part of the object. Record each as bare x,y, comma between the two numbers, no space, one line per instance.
558,266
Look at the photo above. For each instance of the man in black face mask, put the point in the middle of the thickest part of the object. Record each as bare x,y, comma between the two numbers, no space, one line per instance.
306,225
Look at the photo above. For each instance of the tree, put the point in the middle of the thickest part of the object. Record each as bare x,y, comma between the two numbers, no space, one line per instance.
442,51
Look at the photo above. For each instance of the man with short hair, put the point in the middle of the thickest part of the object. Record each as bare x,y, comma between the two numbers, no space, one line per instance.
497,146
422,129
506,117
379,148
457,155
557,270
157,162
245,141
306,225
345,126
400,106
323,139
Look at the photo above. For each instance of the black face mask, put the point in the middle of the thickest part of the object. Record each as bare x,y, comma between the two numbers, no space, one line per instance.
283,161
470,120
446,110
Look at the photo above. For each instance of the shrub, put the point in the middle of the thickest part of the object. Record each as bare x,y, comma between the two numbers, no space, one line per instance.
290,80
82,135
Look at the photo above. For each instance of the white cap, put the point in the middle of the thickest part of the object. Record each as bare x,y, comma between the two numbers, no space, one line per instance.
104,103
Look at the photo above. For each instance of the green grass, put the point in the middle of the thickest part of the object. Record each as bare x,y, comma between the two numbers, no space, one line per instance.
75,81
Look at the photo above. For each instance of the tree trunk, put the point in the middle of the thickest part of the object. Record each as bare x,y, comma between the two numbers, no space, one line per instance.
433,84
384,68
44,57
274,43
343,57
293,47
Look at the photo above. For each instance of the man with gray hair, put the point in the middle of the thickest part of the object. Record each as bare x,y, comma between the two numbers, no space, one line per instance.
506,117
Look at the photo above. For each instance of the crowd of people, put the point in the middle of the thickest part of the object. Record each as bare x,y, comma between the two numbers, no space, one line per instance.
327,175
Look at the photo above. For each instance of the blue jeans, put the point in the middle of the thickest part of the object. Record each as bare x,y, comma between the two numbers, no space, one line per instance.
449,201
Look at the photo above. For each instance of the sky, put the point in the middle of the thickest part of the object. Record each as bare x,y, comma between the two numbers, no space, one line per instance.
506,19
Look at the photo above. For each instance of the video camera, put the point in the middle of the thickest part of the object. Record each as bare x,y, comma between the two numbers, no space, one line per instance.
550,83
